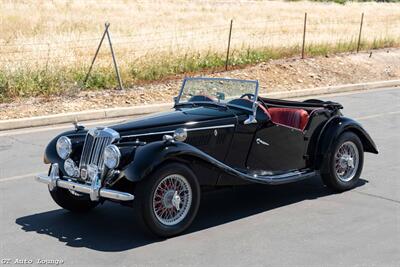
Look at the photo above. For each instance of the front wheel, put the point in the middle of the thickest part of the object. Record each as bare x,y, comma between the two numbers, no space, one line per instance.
169,199
72,201
342,168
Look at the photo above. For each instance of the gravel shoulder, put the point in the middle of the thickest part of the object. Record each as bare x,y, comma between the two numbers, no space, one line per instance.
275,75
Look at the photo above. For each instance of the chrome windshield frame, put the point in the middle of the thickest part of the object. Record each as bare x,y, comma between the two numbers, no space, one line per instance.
255,82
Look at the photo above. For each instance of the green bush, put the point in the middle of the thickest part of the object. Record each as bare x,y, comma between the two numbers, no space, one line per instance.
26,82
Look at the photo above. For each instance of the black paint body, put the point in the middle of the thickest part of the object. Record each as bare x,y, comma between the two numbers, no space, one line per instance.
223,149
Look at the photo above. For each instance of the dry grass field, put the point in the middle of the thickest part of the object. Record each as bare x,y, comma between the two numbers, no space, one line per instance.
46,46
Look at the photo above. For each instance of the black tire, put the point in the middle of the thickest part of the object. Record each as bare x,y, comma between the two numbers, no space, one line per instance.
329,174
74,203
146,189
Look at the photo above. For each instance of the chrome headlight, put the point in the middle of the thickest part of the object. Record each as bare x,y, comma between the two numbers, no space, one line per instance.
70,168
64,147
112,156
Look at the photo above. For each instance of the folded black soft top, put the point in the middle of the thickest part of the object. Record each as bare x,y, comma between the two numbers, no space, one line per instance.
309,103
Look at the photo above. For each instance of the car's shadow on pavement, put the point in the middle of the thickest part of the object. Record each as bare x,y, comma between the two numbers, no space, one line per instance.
112,227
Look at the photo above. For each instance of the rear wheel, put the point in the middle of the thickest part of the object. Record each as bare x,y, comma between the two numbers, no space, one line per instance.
342,168
169,199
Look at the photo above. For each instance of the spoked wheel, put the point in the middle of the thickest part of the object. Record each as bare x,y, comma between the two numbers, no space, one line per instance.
169,199
172,199
346,161
343,167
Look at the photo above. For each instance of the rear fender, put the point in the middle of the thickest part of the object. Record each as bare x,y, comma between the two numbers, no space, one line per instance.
332,130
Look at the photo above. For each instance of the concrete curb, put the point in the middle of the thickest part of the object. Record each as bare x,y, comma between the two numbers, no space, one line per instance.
141,110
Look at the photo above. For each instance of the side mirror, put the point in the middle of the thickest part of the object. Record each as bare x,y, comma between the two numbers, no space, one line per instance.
220,96
175,99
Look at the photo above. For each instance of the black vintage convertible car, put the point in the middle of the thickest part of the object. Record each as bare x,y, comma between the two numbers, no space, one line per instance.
220,132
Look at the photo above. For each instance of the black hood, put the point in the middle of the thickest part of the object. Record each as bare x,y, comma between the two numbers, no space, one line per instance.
189,117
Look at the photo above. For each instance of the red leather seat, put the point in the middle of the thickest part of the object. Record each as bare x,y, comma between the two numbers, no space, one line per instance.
296,118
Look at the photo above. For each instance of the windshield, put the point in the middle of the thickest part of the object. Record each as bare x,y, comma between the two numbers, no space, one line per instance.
216,90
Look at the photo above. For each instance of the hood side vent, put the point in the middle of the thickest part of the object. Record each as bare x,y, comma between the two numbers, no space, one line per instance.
221,138
199,140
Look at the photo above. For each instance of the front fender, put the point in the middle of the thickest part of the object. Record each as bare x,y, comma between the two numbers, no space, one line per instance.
149,156
332,130
50,153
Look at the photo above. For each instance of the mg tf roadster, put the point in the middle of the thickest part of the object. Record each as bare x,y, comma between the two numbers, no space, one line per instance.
220,132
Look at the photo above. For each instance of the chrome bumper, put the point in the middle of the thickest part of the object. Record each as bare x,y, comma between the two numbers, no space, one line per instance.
94,190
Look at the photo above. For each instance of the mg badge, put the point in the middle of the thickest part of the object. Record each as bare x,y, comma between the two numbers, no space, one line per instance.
96,133
84,174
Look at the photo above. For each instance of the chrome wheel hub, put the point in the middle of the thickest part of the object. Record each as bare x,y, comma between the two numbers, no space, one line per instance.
346,161
172,199
176,201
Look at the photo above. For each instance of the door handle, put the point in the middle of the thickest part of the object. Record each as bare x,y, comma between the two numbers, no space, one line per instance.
259,141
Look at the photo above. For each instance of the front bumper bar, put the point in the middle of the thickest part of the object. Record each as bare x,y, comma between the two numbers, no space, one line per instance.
94,190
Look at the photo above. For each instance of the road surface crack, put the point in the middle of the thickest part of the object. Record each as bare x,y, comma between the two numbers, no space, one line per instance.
377,196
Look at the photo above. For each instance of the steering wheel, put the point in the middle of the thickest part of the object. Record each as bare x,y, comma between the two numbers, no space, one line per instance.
201,98
251,96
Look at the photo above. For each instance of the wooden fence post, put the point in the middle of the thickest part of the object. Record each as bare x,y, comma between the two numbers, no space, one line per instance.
229,46
359,35
304,35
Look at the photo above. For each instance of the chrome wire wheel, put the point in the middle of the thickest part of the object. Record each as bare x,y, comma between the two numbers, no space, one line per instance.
172,199
346,161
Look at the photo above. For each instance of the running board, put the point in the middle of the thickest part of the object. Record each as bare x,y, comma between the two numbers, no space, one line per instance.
271,179
267,178
275,179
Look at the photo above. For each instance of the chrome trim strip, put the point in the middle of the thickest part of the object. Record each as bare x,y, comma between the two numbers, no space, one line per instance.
211,127
187,129
144,134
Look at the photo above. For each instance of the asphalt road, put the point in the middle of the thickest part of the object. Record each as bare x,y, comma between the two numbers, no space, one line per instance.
301,224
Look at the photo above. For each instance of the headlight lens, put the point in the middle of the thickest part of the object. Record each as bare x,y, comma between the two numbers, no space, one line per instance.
112,156
64,147
70,168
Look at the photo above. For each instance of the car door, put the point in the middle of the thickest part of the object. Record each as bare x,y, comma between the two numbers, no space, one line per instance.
276,148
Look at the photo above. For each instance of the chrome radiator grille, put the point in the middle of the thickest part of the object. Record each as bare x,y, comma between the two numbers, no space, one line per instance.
95,142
